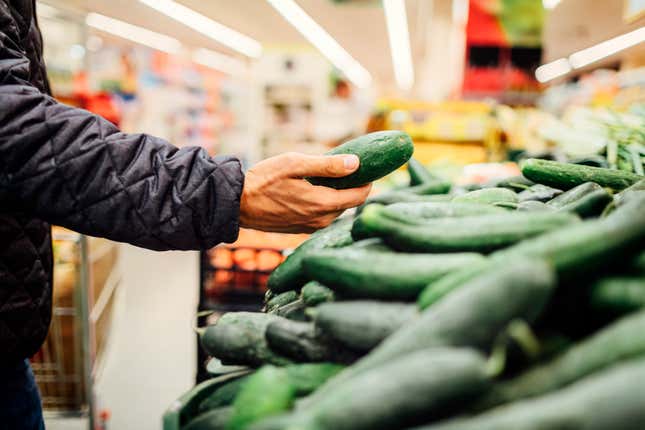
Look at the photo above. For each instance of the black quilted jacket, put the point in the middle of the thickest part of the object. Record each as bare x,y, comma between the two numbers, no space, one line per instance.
69,167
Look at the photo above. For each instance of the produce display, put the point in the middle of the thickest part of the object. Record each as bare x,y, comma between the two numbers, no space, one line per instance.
519,305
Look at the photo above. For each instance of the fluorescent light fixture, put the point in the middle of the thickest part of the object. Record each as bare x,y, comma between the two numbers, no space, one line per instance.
133,33
323,41
218,61
203,24
608,47
399,35
552,70
550,4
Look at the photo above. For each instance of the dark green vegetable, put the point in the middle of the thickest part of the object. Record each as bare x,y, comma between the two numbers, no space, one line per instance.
638,264
588,199
293,311
619,341
618,294
391,197
222,396
267,392
573,195
381,275
436,290
306,378
361,325
418,173
420,211
314,293
566,176
538,192
533,206
239,338
281,300
301,341
489,196
473,315
214,419
628,193
380,153
515,183
411,387
371,244
590,246
289,274
474,233
612,399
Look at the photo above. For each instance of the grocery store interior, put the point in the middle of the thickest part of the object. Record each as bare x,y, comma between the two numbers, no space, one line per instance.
479,85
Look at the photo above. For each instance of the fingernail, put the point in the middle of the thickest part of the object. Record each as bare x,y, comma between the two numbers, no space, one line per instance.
350,162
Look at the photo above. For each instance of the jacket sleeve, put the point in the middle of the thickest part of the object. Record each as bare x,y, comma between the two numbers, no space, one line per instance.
75,169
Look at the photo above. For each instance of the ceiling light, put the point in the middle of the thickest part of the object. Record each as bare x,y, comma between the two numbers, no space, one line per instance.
552,70
133,33
218,61
550,4
399,35
323,41
605,49
203,24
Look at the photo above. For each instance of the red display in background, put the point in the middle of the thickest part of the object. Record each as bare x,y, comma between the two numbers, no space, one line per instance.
484,27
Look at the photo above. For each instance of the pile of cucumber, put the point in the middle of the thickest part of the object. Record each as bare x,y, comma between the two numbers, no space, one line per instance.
514,306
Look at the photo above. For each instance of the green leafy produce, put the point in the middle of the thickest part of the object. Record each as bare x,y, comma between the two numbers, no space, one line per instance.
381,275
566,176
362,324
380,153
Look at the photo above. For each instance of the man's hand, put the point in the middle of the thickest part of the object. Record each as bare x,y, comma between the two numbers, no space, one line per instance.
277,198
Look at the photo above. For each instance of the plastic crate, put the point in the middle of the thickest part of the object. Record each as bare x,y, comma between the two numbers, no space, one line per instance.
185,407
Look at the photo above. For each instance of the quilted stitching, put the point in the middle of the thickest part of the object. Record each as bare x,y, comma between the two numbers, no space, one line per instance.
67,166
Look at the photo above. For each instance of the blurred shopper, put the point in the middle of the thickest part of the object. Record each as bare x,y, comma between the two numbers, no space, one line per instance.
67,166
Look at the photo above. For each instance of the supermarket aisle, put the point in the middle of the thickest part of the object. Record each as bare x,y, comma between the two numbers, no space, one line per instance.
151,359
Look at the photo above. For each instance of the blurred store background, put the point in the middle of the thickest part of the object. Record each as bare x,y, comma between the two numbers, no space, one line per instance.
478,84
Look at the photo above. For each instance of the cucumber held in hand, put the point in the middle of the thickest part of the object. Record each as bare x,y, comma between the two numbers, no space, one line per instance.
566,176
380,153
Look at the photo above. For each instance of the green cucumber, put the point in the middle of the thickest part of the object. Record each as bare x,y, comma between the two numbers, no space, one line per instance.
588,199
306,378
611,399
489,196
302,342
436,290
410,388
618,294
381,275
267,392
638,264
391,197
538,192
371,244
474,233
573,195
380,153
222,396
361,325
281,300
293,311
419,211
418,173
214,419
589,246
514,183
618,341
473,315
628,193
289,274
533,206
315,293
239,338
566,176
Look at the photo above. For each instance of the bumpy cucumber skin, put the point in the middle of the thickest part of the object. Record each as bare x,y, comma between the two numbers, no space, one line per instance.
611,399
382,275
589,246
488,196
281,300
518,289
315,293
566,176
407,389
214,419
618,294
239,338
474,234
380,153
267,392
418,173
616,342
362,324
289,275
